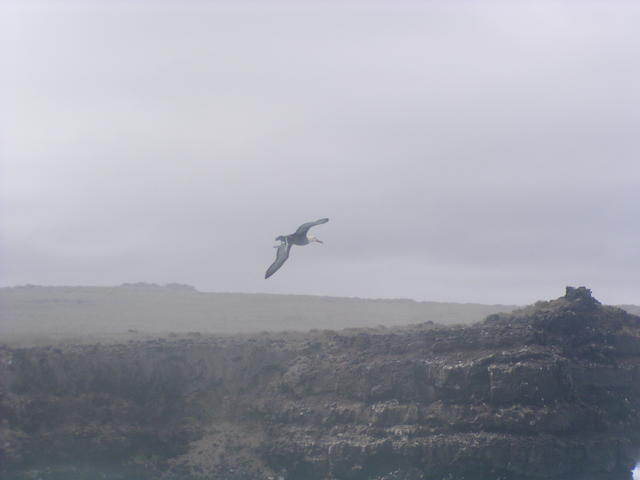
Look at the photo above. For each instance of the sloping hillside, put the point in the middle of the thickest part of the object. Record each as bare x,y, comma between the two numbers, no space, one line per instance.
55,312
633,309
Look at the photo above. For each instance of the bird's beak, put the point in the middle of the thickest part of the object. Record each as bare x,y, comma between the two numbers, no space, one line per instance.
319,241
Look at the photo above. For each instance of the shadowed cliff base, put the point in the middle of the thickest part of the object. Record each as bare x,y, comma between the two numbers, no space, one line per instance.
550,391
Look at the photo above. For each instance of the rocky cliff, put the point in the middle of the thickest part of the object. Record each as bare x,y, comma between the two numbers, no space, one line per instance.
551,391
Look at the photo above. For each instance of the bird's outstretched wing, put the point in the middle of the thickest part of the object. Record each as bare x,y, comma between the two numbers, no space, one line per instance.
304,228
281,257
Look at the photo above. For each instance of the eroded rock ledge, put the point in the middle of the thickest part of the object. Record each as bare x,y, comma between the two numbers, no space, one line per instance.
551,391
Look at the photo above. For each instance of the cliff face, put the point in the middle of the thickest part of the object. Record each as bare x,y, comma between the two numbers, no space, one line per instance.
548,392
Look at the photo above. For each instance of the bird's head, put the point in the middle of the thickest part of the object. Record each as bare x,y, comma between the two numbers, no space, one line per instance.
311,239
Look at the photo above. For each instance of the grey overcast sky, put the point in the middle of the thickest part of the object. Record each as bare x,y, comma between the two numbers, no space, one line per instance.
464,151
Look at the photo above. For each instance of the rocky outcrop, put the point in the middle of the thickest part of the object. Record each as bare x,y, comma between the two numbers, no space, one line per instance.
551,391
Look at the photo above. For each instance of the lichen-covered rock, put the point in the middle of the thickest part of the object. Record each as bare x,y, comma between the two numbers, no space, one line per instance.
551,391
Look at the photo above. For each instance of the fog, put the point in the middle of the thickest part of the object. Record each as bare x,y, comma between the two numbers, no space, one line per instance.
464,152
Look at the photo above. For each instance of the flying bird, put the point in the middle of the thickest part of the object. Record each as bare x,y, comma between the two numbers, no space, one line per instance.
300,237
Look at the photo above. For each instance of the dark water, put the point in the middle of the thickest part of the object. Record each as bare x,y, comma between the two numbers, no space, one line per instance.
89,472
80,472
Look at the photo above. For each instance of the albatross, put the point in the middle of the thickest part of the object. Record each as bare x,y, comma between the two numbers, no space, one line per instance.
300,237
